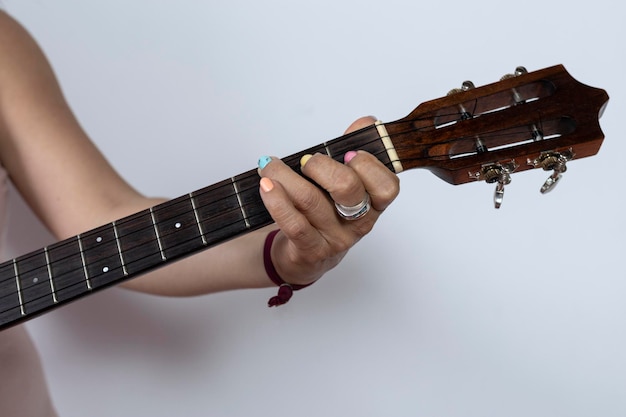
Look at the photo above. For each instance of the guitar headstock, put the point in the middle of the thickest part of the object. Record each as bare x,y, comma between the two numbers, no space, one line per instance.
541,119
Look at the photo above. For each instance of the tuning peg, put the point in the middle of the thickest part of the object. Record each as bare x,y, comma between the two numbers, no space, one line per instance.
466,85
499,173
555,162
518,71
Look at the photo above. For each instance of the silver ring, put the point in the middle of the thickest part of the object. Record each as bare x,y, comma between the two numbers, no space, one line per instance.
354,212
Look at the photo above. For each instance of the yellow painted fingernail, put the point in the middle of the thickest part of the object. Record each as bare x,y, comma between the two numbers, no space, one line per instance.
266,184
304,160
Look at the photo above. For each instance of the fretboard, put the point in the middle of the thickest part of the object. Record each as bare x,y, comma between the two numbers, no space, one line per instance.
107,255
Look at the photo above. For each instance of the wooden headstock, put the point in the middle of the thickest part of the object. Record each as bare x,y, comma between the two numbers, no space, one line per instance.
540,119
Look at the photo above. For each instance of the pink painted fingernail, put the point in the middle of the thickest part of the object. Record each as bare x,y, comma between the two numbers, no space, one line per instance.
348,156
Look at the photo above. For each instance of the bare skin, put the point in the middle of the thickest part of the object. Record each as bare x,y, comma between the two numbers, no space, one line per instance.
72,188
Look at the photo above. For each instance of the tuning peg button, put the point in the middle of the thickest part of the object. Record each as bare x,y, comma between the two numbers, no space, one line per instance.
467,85
498,195
551,182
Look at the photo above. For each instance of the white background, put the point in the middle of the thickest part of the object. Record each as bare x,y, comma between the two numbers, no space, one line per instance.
448,309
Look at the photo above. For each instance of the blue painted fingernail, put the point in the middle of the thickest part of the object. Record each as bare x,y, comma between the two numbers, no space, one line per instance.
263,161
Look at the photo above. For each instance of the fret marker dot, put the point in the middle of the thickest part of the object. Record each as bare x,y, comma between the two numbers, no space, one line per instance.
178,225
105,269
35,280
99,239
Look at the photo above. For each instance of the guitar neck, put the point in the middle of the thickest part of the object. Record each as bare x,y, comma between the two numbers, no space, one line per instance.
107,255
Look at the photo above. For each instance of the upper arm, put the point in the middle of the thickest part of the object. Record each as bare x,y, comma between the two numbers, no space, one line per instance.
54,165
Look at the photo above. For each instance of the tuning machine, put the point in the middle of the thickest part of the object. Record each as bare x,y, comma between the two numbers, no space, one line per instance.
518,71
465,86
499,173
552,161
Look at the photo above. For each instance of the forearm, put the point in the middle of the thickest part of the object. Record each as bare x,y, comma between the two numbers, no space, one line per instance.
236,264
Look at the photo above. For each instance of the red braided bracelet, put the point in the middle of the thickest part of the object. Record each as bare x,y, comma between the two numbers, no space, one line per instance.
285,290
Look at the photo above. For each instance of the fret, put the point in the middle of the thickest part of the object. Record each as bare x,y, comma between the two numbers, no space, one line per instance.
177,227
328,152
156,233
119,248
33,282
367,139
68,269
293,161
52,290
243,211
219,212
102,256
10,299
197,219
138,242
19,287
250,198
82,259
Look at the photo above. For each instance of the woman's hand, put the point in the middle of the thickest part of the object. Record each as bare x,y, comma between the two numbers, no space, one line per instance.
314,236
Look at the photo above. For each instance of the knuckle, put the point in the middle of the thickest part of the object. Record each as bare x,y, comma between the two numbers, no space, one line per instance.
392,190
387,192
360,123
346,183
307,200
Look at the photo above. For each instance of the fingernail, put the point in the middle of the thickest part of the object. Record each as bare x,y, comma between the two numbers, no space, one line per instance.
266,184
304,160
348,156
263,161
